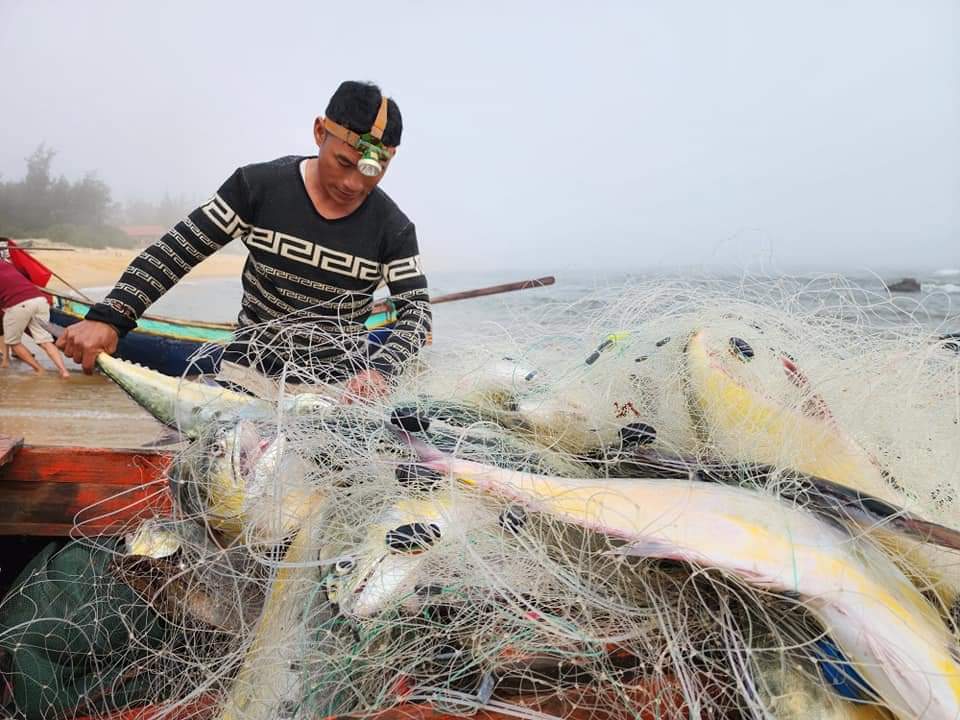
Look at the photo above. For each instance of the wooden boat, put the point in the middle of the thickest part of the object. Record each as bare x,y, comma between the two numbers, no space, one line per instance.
53,491
168,344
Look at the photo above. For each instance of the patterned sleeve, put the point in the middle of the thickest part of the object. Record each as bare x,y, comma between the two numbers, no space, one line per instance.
161,266
408,288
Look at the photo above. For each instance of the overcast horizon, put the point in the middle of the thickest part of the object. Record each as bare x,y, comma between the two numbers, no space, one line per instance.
541,136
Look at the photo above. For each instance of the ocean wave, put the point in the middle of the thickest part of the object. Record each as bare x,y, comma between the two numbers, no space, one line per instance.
941,287
946,272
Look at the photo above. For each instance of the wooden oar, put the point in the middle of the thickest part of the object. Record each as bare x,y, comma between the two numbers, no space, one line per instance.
494,289
43,249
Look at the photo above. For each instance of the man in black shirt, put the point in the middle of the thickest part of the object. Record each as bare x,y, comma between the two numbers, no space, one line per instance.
322,237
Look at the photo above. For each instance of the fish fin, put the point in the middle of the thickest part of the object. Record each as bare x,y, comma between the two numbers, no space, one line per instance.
929,532
654,548
834,500
910,683
839,673
424,451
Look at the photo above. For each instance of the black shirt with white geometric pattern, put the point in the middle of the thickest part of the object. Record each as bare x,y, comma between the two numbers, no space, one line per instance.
308,282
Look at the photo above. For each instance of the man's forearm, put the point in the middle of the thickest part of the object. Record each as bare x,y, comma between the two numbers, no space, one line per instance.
414,321
155,271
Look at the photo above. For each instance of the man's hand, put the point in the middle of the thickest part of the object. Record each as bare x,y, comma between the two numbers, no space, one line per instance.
84,340
368,385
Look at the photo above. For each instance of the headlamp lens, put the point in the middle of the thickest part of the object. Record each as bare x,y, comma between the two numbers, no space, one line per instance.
369,165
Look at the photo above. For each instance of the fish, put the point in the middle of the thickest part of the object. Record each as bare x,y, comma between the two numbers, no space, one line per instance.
771,414
191,407
886,628
825,497
442,426
627,378
387,567
744,413
268,676
255,483
178,592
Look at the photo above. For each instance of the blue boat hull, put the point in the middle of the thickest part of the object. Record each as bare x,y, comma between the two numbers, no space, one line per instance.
163,354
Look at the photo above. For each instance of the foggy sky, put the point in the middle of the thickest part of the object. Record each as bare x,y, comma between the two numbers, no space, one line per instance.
541,136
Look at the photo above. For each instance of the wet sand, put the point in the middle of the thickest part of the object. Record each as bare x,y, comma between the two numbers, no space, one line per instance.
86,411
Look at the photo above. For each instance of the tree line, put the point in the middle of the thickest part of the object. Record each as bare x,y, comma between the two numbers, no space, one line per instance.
81,212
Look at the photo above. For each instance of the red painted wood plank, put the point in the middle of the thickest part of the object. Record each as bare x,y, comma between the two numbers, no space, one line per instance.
45,464
54,490
8,448
91,507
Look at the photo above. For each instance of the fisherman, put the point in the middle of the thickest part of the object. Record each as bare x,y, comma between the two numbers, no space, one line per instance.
322,237
25,309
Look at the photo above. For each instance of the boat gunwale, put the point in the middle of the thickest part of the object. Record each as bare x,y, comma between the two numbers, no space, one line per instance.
207,325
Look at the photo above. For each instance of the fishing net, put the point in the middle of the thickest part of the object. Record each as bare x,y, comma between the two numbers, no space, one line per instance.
315,567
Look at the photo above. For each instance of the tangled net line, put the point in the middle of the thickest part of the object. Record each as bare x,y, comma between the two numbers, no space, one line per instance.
354,583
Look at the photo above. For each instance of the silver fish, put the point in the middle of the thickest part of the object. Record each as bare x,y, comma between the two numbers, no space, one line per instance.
191,407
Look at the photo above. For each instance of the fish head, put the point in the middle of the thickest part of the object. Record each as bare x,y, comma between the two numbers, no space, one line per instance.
236,451
153,538
755,358
255,480
188,406
387,564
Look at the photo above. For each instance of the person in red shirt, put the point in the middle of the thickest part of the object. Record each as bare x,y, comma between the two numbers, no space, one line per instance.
25,308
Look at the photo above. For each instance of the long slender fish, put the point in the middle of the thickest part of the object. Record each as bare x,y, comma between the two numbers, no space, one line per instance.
192,406
267,678
883,625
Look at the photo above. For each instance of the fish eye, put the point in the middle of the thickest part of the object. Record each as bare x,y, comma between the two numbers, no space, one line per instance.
412,537
741,349
343,566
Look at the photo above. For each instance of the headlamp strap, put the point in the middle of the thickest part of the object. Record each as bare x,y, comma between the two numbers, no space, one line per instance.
339,131
353,139
380,123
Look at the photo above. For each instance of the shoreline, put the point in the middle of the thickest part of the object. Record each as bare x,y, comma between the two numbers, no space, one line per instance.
88,267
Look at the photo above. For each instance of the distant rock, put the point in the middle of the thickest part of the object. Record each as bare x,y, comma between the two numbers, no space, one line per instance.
906,285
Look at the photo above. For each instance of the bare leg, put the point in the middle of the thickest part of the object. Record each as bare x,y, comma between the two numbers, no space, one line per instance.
51,350
21,352
5,360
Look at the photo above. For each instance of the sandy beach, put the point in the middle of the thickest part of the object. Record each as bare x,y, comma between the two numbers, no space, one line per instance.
86,267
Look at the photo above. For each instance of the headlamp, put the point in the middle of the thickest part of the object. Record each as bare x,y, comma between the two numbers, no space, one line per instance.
373,153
